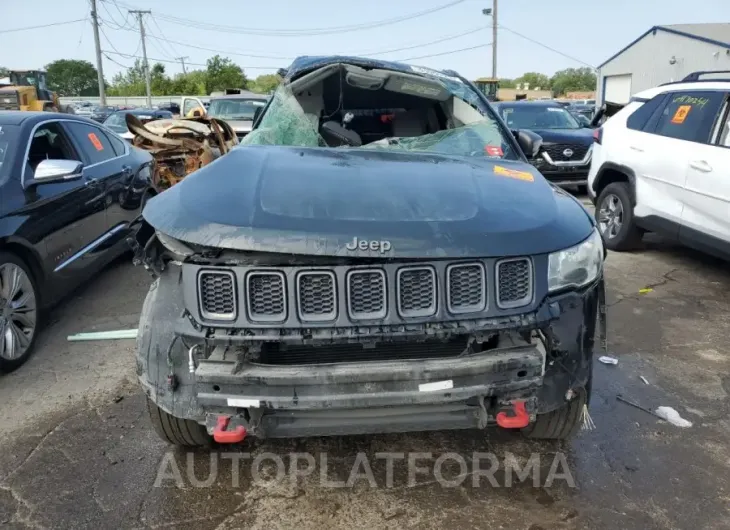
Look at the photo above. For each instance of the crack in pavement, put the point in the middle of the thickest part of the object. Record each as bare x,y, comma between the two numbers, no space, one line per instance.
666,278
21,502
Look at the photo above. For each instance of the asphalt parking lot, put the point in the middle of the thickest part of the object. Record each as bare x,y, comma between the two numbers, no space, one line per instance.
78,450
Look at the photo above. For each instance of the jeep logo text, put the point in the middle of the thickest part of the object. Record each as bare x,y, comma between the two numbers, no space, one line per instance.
364,244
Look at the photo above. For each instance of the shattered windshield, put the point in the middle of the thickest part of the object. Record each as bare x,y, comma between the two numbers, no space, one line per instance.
538,117
444,116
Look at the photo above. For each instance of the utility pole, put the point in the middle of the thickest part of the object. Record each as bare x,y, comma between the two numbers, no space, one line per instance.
492,11
99,68
139,14
494,39
182,60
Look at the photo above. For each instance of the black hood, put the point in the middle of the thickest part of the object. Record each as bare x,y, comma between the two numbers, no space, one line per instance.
566,136
316,201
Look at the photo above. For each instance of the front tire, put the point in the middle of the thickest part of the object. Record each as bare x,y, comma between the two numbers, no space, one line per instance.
562,423
615,217
177,431
19,312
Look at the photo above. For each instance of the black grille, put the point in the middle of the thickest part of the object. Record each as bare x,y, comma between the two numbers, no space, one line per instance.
557,152
9,101
466,288
515,283
366,294
276,353
417,292
217,295
265,295
316,291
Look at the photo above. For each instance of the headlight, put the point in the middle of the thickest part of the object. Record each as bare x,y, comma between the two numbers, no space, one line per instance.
175,246
576,266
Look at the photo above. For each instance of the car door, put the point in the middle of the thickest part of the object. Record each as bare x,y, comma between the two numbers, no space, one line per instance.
706,216
68,216
189,104
109,171
659,167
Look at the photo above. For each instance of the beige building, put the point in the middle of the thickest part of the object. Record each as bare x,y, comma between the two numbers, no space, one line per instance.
510,94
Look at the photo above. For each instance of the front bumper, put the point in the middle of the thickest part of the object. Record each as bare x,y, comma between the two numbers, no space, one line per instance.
465,391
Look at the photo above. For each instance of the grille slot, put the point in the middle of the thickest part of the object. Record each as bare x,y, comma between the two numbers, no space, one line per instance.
556,152
514,280
217,295
265,296
366,294
466,289
416,291
316,299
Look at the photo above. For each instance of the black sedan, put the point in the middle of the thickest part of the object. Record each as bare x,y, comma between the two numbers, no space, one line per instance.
70,188
565,157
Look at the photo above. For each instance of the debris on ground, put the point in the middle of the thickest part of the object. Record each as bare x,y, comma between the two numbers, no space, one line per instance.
605,359
118,399
644,379
636,405
181,146
673,417
104,335
646,290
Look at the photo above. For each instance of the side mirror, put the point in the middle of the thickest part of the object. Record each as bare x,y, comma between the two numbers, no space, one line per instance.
57,171
529,142
257,114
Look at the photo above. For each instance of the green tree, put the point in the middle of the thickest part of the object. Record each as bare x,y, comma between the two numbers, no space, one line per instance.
222,73
190,84
70,77
507,83
160,84
265,84
573,80
535,79
4,72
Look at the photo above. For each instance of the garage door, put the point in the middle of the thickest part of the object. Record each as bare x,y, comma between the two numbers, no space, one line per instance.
618,88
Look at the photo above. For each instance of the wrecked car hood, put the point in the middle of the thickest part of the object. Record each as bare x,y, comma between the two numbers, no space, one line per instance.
317,201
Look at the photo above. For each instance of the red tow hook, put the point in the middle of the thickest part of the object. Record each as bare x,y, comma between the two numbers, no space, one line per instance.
520,419
223,436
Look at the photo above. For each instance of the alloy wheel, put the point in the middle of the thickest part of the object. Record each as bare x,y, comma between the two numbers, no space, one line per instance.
610,216
17,311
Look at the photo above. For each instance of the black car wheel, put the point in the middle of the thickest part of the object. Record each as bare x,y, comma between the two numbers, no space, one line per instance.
18,312
560,424
615,217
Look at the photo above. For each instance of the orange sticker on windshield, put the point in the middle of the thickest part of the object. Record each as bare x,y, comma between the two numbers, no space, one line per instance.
95,140
681,114
512,173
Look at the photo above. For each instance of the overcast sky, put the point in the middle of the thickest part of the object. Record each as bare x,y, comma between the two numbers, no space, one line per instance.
588,31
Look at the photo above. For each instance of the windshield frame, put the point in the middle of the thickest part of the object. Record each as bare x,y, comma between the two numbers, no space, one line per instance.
544,108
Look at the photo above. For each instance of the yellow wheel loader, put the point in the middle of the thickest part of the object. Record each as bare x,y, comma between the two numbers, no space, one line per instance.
28,91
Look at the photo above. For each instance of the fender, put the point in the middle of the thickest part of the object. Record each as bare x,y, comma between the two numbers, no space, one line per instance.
603,178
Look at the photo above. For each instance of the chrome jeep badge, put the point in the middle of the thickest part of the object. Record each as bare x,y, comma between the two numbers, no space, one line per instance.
363,244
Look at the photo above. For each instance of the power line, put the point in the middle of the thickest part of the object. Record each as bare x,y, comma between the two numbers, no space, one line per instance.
446,53
164,37
125,23
130,56
116,62
444,39
43,26
291,32
501,26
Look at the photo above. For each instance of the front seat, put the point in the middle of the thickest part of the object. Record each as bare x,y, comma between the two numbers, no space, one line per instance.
42,149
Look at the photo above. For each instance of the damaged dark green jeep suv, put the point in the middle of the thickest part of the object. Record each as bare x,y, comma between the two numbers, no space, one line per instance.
377,256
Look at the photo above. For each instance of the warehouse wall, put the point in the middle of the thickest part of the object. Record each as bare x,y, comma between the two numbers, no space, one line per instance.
648,61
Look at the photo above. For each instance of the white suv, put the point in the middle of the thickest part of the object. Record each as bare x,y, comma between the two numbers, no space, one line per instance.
662,164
